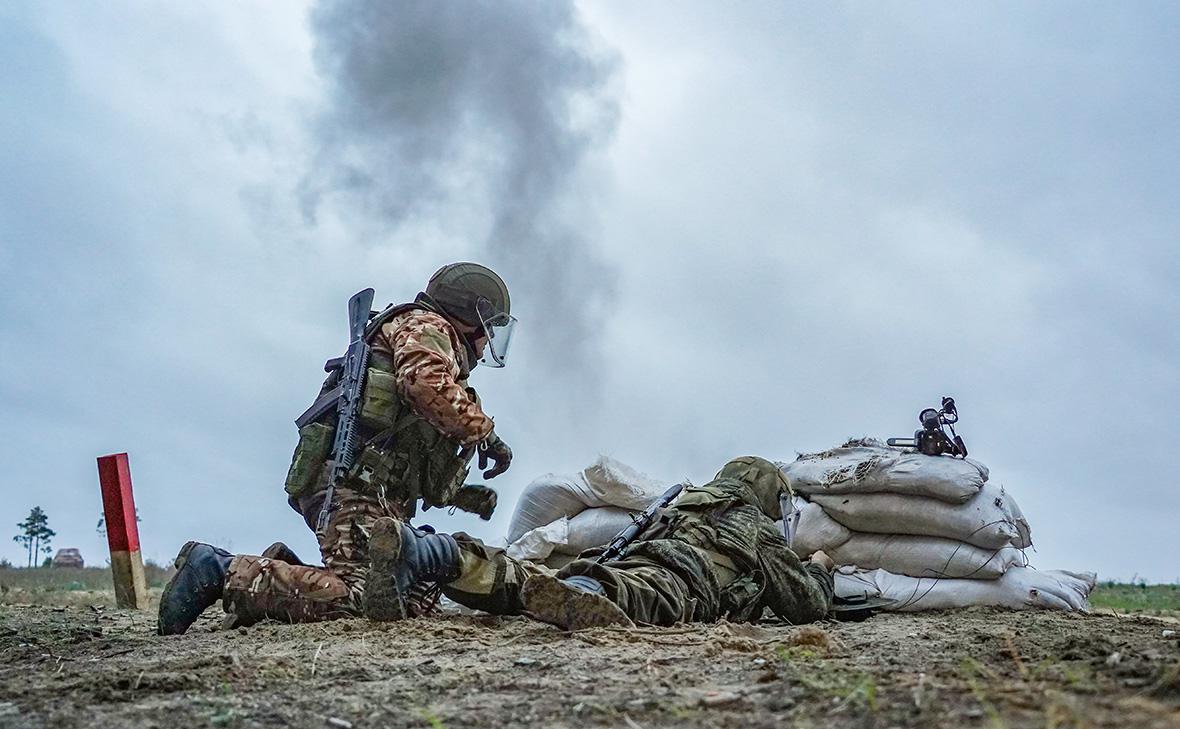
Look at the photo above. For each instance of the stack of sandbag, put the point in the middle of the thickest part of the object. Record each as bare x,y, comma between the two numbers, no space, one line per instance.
904,516
560,515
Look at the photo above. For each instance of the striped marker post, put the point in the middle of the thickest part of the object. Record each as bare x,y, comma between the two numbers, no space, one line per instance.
118,506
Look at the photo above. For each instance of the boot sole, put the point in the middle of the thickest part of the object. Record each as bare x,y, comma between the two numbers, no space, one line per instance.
165,597
382,600
549,600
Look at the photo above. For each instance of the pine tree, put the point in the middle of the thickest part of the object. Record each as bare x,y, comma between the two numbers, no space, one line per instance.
35,536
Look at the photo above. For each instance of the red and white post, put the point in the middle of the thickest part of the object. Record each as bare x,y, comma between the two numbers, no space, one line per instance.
118,506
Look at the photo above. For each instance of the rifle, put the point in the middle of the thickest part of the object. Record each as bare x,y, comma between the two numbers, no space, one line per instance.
639,523
352,384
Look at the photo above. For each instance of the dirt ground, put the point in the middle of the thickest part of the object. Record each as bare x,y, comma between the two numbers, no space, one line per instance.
80,666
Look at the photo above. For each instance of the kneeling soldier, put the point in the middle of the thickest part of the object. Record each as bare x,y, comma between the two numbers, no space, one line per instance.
419,425
716,553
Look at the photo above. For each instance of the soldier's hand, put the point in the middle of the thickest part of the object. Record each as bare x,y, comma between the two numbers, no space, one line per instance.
495,449
821,558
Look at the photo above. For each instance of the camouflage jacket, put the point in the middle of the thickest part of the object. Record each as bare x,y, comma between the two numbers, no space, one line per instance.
724,517
431,368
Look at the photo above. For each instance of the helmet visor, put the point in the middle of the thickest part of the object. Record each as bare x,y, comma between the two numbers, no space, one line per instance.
497,326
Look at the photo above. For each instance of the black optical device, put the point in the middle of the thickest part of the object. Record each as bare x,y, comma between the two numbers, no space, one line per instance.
933,439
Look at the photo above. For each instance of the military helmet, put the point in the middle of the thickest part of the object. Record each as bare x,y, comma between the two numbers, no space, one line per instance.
765,479
475,296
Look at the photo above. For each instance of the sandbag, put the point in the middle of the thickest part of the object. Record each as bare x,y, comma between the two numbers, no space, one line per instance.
816,530
984,520
925,556
571,536
1020,588
867,466
593,528
606,482
545,500
537,544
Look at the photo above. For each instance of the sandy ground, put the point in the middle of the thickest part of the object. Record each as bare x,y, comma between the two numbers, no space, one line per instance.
79,666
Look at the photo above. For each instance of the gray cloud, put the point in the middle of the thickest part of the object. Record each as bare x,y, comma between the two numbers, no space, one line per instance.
484,111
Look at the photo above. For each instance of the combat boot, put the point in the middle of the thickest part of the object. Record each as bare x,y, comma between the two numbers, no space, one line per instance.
198,583
572,603
401,556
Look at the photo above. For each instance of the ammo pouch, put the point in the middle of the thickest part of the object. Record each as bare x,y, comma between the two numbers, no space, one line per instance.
375,471
380,404
311,454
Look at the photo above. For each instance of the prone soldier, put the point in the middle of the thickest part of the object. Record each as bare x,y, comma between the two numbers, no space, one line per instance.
418,427
715,553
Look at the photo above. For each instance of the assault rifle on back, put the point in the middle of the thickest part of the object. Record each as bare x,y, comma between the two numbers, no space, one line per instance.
346,398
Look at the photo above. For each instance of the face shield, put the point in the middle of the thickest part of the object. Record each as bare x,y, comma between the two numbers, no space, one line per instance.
497,327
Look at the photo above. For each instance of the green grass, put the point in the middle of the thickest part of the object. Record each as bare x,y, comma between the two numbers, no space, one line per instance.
1137,598
52,579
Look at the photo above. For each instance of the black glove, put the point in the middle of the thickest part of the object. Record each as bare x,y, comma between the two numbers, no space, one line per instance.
496,449
476,499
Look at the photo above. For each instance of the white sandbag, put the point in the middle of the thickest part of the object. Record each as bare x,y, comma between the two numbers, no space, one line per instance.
606,482
614,483
869,467
925,556
570,536
983,520
816,530
593,528
852,583
545,500
1020,588
537,544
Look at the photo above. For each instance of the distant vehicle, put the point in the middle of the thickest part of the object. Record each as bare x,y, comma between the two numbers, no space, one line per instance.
68,557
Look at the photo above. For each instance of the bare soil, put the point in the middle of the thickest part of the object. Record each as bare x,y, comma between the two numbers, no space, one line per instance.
97,666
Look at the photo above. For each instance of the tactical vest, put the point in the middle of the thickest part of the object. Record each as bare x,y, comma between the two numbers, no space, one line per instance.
402,456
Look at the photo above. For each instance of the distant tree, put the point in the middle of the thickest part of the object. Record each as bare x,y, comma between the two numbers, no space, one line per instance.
35,536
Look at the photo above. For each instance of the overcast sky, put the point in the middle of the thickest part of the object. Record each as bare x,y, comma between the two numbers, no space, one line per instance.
728,228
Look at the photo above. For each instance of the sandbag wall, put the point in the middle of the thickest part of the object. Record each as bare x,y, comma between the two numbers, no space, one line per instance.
928,531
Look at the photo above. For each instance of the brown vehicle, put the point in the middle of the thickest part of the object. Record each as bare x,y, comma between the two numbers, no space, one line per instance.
68,557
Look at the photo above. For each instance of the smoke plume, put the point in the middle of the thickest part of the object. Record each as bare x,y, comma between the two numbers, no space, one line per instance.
479,114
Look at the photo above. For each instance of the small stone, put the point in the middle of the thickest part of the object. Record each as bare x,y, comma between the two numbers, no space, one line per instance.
759,661
243,631
525,661
720,698
1168,633
1114,659
340,723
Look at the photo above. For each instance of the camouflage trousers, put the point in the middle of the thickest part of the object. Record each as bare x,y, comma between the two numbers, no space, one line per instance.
659,582
258,588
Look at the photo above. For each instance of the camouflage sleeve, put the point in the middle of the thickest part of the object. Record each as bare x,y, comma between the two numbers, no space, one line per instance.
797,592
427,374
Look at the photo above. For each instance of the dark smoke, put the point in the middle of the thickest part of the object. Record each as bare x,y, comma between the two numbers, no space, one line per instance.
487,108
